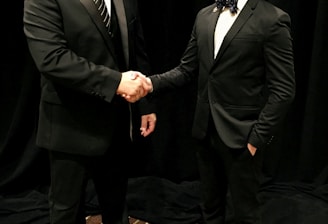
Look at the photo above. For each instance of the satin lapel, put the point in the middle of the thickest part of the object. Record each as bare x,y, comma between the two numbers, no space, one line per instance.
213,18
94,14
121,17
238,24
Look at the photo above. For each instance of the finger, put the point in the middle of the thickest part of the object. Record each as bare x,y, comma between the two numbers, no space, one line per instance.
143,124
130,99
142,131
133,75
141,92
139,74
150,127
145,86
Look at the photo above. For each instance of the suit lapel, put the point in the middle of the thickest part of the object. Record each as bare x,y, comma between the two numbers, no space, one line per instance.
94,14
121,17
213,18
238,24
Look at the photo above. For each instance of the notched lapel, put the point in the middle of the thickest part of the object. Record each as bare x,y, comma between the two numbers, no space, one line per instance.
94,15
213,18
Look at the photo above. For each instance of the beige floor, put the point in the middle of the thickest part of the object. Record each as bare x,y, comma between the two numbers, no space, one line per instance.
97,220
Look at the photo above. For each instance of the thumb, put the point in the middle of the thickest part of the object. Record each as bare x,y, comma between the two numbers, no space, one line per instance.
135,74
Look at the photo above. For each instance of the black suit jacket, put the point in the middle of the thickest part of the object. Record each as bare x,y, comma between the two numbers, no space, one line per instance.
249,86
79,109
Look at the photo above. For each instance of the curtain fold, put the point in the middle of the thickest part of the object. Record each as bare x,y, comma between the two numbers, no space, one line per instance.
163,186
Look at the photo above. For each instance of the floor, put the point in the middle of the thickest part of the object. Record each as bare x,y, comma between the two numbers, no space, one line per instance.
282,205
96,219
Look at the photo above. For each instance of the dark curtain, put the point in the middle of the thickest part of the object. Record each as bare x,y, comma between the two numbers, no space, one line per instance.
163,185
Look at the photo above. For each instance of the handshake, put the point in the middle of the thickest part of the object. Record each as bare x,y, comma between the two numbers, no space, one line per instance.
133,86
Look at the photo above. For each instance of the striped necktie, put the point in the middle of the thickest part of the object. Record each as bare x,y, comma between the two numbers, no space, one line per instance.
101,7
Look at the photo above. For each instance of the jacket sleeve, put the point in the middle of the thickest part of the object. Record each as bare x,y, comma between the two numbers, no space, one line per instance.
279,65
44,29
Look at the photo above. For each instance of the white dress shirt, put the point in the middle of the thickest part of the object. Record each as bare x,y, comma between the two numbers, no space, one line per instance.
108,6
224,23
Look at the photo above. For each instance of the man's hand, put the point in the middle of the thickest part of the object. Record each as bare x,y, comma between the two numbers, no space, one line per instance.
252,149
148,123
133,86
147,84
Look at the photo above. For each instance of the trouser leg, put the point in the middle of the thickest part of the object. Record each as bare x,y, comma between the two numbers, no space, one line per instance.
213,183
68,181
244,178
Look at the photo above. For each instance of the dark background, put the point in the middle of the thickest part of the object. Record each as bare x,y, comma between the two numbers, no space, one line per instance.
163,185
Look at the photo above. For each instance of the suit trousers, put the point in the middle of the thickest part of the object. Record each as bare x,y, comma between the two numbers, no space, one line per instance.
230,181
69,176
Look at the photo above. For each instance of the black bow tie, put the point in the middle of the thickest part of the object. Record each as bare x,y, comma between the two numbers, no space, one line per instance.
231,4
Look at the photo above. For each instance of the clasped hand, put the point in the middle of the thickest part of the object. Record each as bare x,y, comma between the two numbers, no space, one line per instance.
133,86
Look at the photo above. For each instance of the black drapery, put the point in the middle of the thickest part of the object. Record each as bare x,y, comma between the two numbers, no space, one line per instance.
163,185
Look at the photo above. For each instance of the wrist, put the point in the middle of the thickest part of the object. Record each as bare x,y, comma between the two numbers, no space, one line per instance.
151,84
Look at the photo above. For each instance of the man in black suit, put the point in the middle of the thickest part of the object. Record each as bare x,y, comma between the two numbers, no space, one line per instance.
84,122
242,56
